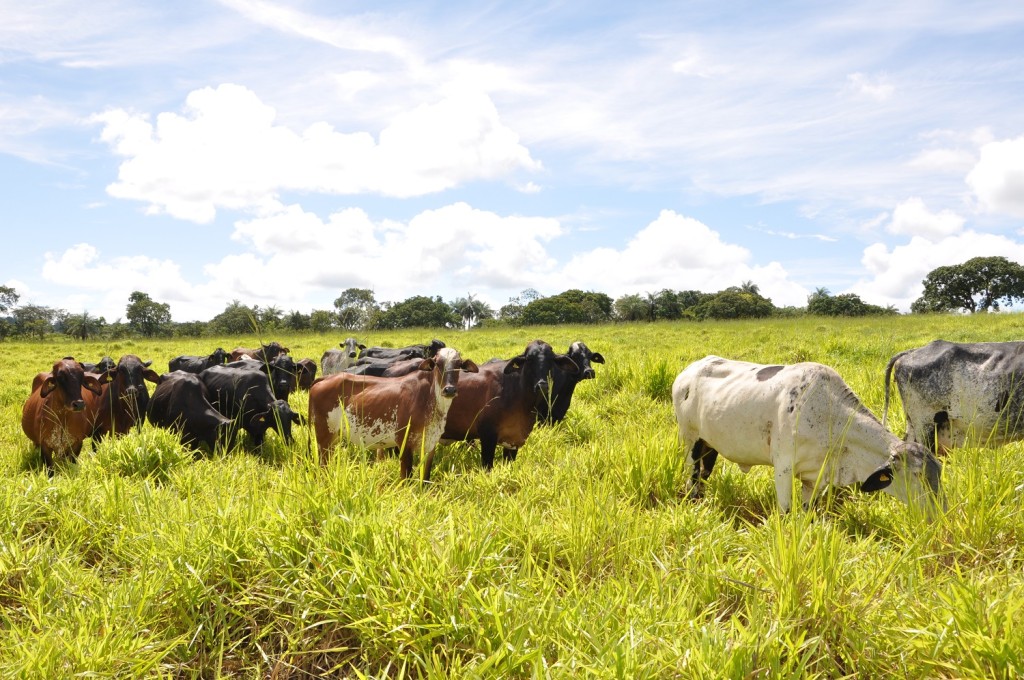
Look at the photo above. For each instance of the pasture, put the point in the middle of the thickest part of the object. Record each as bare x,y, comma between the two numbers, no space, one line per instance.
581,559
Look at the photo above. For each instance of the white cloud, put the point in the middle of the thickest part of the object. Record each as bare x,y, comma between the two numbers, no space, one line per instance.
227,152
878,88
998,178
912,218
679,253
896,274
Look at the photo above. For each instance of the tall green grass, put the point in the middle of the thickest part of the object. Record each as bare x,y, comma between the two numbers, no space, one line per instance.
584,558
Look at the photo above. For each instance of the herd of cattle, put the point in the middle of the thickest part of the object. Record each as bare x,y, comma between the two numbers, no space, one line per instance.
802,419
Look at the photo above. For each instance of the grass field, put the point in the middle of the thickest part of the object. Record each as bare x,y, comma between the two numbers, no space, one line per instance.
581,559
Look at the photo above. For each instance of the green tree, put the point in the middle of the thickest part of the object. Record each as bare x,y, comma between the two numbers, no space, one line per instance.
572,306
847,304
236,319
980,284
83,326
268,317
146,316
472,311
418,311
633,307
296,321
321,320
733,303
34,320
356,308
8,299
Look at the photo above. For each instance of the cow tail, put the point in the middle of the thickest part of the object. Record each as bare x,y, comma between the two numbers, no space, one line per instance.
888,374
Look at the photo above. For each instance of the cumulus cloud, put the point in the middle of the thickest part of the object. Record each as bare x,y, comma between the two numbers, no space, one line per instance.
912,218
896,274
226,151
998,178
681,253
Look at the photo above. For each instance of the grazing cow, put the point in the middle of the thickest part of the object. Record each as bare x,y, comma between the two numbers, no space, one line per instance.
553,408
952,390
393,354
263,353
406,413
195,364
181,403
123,398
54,416
305,373
803,420
337,360
244,395
102,366
497,405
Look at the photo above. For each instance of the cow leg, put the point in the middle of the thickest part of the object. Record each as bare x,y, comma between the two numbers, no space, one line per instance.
405,462
509,453
703,458
47,458
784,486
428,464
488,443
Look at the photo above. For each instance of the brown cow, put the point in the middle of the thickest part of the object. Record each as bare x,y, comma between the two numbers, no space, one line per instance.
305,373
54,415
498,405
406,413
123,398
263,353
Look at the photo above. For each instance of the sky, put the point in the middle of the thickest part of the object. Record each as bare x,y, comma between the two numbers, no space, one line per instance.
280,152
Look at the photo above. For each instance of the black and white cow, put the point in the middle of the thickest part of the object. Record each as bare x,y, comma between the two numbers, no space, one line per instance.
954,391
243,394
337,360
181,403
197,364
803,420
553,408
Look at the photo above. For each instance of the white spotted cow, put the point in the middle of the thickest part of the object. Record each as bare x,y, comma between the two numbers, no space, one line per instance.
406,413
952,391
803,420
337,360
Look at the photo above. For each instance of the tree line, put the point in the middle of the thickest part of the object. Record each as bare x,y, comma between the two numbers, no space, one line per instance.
979,285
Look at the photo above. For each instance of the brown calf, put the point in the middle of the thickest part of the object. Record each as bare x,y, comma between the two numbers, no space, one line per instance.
406,413
54,415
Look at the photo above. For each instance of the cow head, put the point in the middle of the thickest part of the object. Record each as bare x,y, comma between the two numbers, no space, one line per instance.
283,375
434,347
912,474
69,377
582,356
447,364
352,347
128,379
217,357
280,417
536,365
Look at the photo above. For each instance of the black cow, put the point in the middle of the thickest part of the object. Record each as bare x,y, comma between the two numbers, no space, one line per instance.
123,399
553,408
102,366
392,354
280,371
952,389
196,364
244,395
498,404
387,369
181,403
305,373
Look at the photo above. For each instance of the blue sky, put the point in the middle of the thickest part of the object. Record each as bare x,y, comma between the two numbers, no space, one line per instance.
280,152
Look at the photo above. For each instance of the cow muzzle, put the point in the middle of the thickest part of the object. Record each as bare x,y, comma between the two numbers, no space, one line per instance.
78,405
449,391
588,374
541,386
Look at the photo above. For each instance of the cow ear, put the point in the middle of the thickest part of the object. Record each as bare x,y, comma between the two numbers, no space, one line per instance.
147,364
94,385
151,375
879,479
361,347
49,385
427,365
107,376
469,366
516,363
597,358
566,364
298,418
